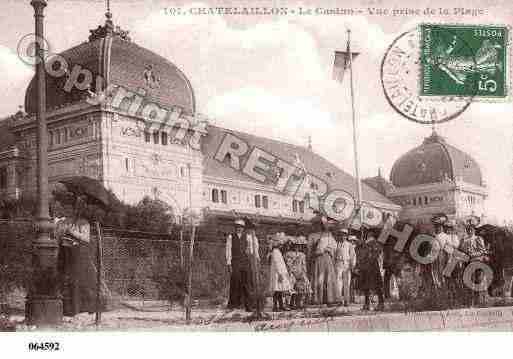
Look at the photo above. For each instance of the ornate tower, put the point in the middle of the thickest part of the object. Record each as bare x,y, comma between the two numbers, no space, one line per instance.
437,177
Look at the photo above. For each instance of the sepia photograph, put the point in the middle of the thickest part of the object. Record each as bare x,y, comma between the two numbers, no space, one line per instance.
255,166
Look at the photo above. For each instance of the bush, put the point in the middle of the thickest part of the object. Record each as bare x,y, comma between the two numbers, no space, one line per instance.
149,215
15,247
6,325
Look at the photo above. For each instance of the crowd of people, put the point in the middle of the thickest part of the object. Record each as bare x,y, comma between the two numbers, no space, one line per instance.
454,238
334,262
318,269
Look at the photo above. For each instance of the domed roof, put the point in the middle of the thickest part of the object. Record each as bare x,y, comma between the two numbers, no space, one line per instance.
432,162
110,54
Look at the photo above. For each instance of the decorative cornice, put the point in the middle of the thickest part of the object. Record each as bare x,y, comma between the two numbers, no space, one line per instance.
56,114
108,30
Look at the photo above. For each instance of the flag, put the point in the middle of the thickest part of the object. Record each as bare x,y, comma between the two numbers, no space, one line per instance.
341,63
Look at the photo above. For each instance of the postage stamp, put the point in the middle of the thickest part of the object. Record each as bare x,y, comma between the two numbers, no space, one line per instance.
400,70
464,61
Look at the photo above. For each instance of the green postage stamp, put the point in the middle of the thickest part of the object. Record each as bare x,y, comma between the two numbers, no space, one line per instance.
464,61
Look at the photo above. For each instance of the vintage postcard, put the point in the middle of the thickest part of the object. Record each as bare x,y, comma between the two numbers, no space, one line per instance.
255,166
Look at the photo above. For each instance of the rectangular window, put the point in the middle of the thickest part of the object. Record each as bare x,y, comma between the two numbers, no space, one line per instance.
156,137
257,201
127,165
164,138
294,205
265,202
224,197
3,178
147,136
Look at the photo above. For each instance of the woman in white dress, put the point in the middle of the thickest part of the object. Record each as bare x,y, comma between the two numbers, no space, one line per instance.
279,281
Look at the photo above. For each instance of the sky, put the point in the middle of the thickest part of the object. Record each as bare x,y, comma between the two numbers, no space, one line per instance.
271,75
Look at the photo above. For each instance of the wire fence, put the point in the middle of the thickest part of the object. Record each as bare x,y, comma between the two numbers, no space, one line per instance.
152,267
136,266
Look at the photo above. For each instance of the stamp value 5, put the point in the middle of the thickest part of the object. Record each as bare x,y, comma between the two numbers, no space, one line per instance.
464,61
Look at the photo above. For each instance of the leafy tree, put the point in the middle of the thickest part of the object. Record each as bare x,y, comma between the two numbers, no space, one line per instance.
149,215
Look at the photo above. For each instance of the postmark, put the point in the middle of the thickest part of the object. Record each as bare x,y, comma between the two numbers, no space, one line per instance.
466,61
400,70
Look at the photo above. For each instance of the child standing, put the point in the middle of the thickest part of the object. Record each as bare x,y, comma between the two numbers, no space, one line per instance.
279,276
296,264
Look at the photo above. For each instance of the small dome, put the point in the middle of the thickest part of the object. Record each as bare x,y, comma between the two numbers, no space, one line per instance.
432,162
111,54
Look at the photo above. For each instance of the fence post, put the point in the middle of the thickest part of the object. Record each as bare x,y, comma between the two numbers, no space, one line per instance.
181,246
189,274
99,255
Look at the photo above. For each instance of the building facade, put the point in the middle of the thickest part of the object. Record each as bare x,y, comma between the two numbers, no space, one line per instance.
127,117
433,178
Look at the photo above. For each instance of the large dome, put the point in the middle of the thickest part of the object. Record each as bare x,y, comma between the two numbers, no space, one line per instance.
110,53
432,162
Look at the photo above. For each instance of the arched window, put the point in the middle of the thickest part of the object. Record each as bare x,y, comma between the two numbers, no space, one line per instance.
215,195
425,200
294,206
257,201
414,201
224,197
301,206
265,202
58,137
3,177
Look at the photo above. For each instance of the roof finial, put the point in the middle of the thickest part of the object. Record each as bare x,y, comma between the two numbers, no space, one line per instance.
108,15
309,142
108,29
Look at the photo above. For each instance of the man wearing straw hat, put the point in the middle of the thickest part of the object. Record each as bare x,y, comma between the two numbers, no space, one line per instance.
442,239
368,266
345,261
239,267
474,246
254,258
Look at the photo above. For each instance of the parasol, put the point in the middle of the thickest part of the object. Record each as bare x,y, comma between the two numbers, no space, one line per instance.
92,189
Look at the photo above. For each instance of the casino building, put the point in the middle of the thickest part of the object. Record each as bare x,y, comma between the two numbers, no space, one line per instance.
434,177
129,146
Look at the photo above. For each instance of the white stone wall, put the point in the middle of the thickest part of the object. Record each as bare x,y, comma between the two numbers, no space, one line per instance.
73,150
134,168
446,197
241,198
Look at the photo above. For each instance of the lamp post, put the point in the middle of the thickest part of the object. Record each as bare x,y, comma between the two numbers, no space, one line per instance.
43,305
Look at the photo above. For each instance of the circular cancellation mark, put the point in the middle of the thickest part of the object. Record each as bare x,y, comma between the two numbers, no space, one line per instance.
401,79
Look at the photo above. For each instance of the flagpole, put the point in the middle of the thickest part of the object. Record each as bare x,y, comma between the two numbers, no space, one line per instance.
355,135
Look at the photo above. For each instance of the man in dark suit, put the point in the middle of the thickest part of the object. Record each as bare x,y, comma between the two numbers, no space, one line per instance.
238,249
